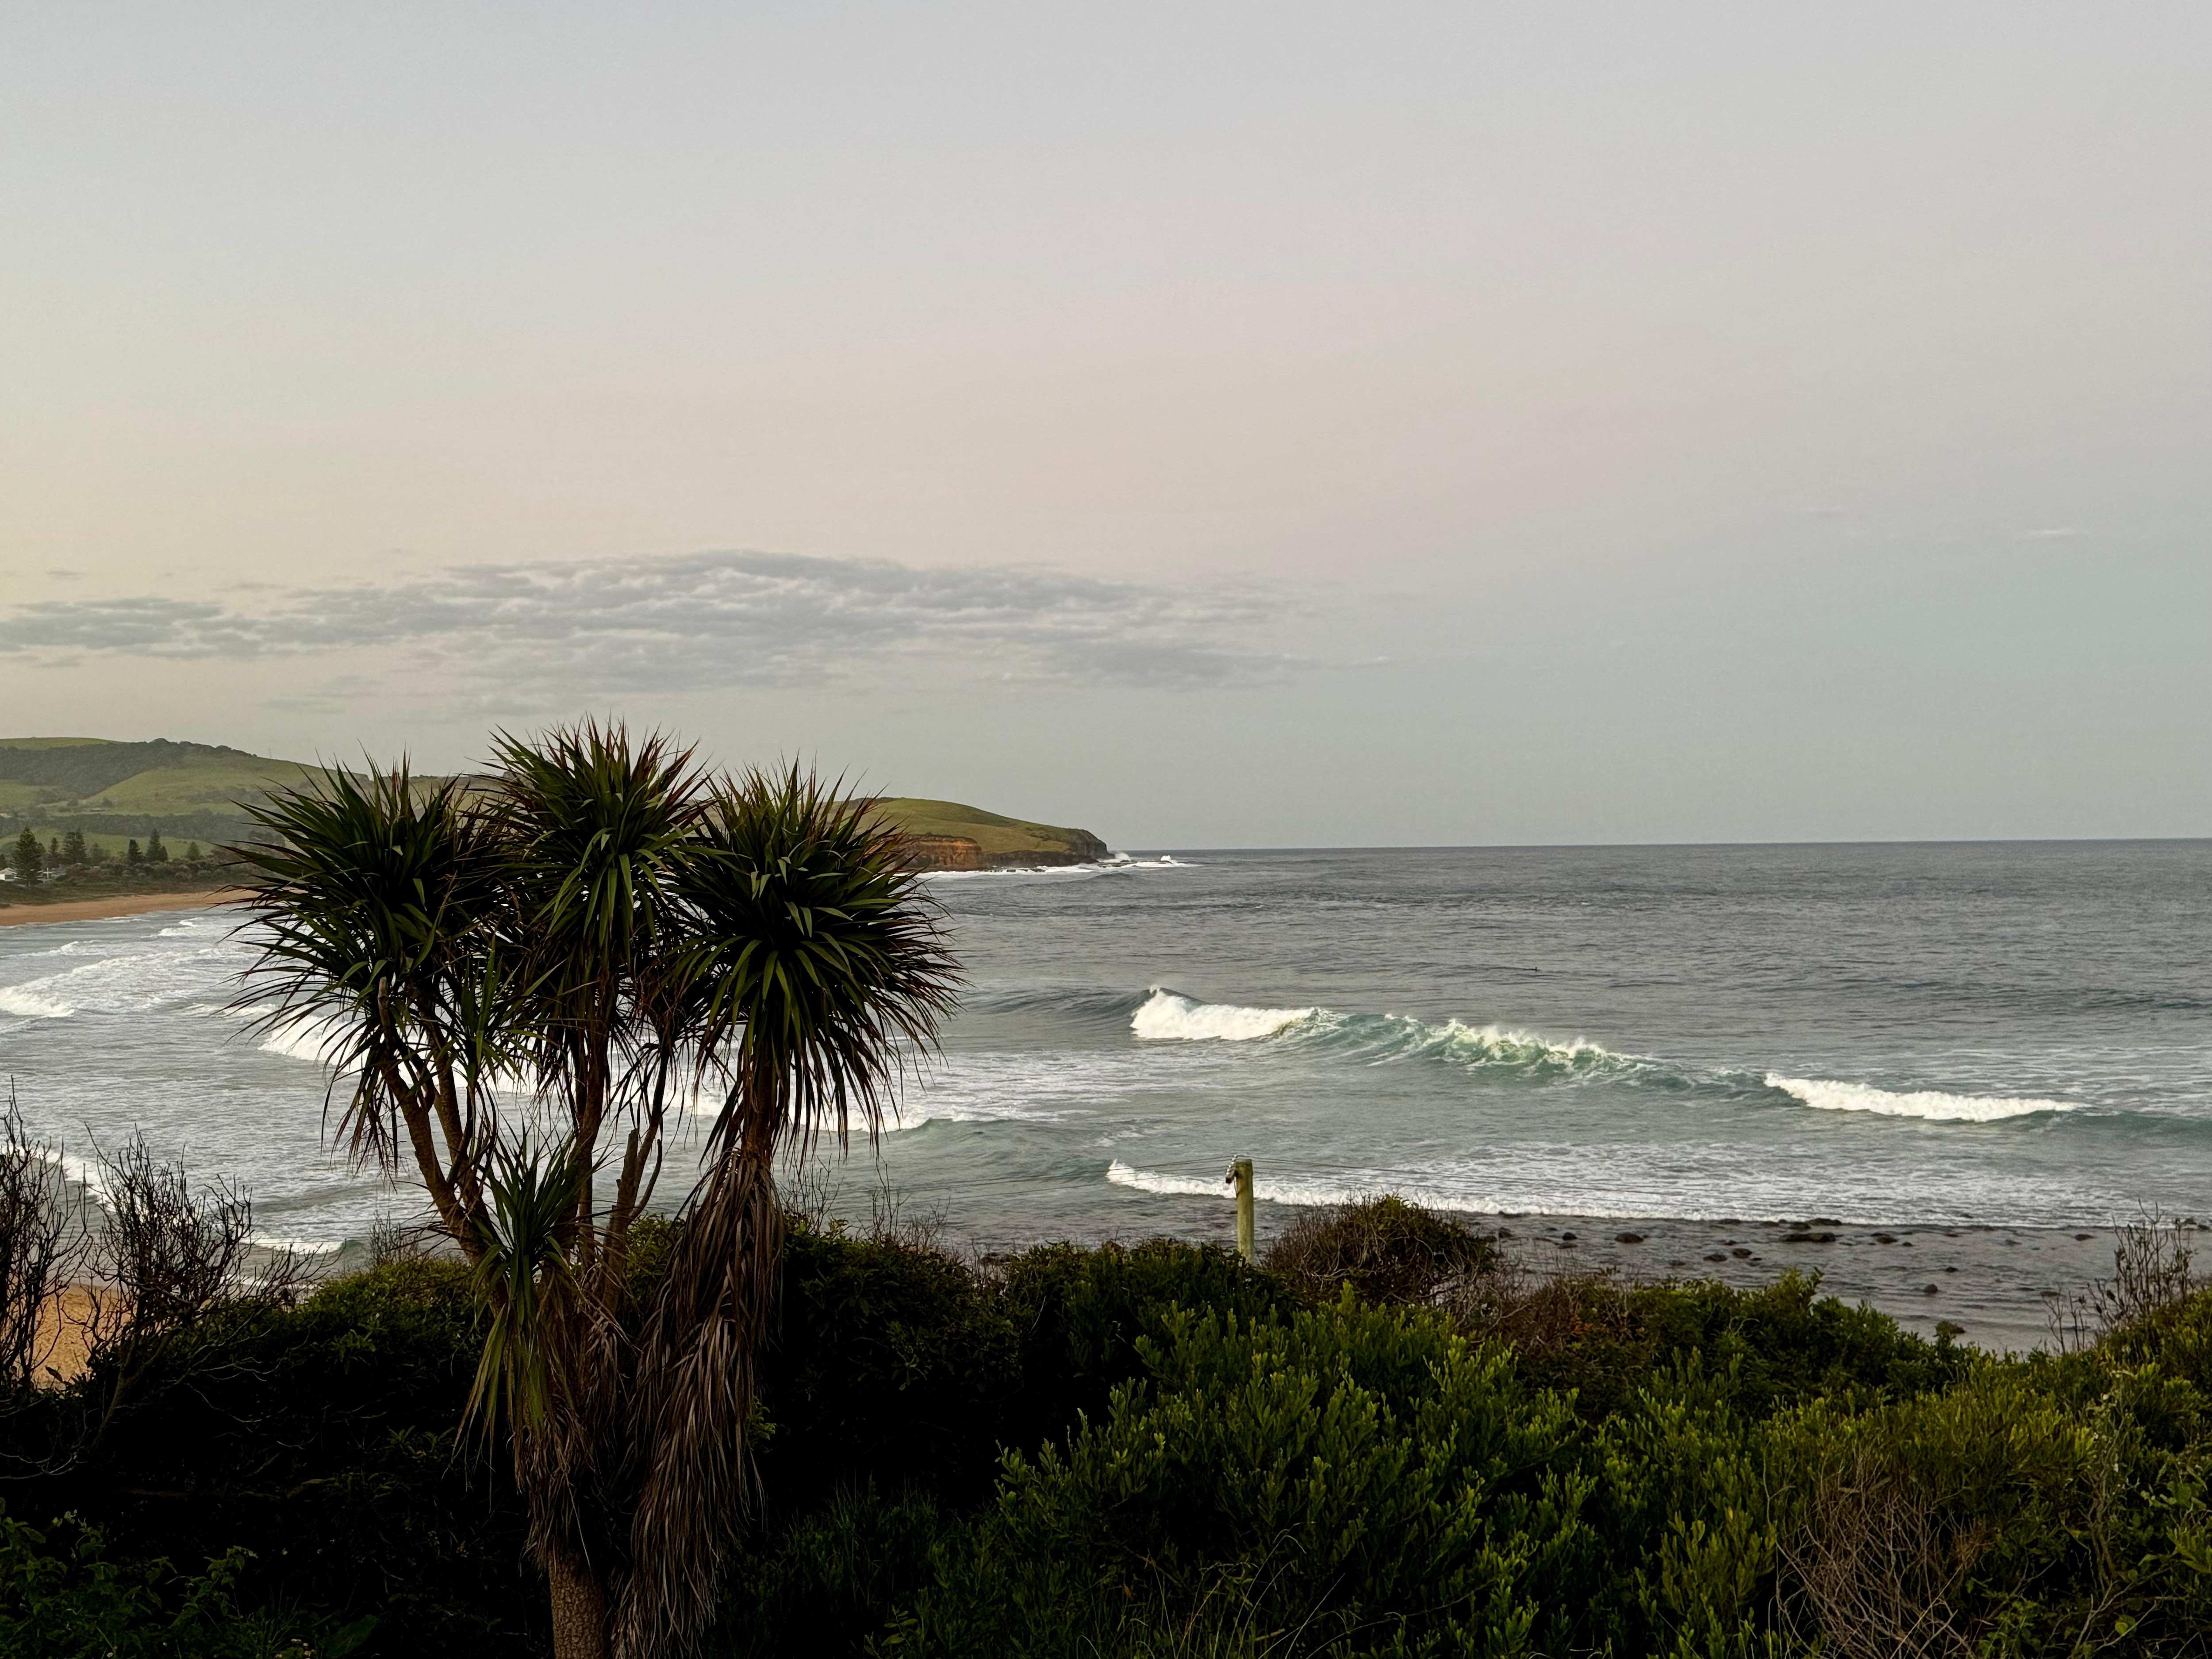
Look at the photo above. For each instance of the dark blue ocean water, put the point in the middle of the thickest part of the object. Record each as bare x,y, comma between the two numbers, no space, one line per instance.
2010,1033
2007,1033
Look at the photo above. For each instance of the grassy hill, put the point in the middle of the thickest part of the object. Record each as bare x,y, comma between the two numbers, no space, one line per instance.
998,839
112,791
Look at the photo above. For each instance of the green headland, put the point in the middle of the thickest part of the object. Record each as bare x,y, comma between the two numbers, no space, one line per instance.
111,793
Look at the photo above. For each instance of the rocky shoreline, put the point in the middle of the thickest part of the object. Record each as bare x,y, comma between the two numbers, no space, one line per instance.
2001,1289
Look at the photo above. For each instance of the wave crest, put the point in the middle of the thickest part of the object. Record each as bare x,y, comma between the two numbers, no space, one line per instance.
27,1003
1931,1104
1309,1195
1492,1049
1169,1016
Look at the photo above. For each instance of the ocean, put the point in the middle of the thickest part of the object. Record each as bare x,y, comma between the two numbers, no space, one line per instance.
1988,1035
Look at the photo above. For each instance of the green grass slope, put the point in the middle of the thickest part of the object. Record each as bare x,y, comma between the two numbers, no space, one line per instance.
193,790
1002,838
114,792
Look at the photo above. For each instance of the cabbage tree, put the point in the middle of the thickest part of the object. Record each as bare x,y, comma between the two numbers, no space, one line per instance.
530,985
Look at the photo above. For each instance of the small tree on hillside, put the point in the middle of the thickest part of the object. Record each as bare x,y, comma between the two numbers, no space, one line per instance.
131,853
191,852
53,850
30,857
73,847
155,852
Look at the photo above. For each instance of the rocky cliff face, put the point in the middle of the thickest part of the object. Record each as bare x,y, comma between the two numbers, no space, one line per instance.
1083,848
965,853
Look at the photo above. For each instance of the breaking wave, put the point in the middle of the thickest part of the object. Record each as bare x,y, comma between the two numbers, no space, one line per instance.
1929,1105
1309,1194
1169,1016
314,1041
28,1002
1498,1053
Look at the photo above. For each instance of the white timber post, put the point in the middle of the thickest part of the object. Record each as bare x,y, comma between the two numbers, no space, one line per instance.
1240,1173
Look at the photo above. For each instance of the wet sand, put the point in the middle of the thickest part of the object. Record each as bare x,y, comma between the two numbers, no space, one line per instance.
116,904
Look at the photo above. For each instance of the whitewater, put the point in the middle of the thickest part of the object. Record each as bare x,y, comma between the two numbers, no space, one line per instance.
1957,1036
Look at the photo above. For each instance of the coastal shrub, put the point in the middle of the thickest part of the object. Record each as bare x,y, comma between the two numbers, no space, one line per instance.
1081,1314
61,1597
320,1443
1387,1249
1160,1449
1998,1516
1603,1340
891,1363
1358,1481
828,1582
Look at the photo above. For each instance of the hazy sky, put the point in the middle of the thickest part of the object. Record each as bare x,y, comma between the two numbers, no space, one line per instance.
1270,424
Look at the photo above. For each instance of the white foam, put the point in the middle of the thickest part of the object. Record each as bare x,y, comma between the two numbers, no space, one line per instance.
1110,866
1310,1194
990,1086
311,1040
297,1246
28,1002
127,983
913,1114
1927,1103
85,1173
1169,1016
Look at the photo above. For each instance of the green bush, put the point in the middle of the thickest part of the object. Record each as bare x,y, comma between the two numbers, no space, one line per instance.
1387,1249
1081,1314
1355,1481
62,1598
891,1364
1160,1449
319,1443
2004,1517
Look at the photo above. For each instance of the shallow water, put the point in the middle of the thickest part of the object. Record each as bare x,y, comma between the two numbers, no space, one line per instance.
2010,1035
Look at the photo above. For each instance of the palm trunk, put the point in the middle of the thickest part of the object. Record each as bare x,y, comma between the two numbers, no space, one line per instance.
580,1610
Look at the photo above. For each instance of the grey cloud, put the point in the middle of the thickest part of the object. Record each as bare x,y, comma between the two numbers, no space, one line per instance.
701,622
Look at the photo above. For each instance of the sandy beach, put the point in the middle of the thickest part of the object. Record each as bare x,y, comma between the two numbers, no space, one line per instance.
116,904
63,1328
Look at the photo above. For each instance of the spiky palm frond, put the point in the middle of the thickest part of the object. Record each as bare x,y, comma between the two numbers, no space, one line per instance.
596,825
598,820
374,910
525,1284
815,967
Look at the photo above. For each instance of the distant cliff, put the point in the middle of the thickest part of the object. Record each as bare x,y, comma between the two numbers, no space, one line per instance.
945,835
